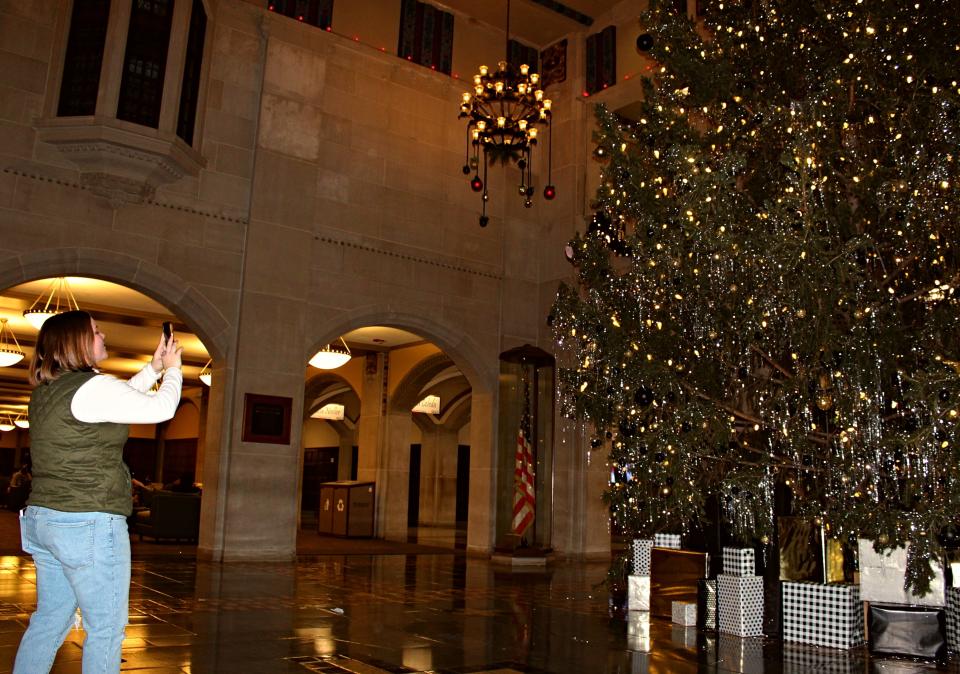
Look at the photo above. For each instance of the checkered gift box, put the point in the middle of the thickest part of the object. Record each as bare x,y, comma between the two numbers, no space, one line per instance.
666,541
822,615
953,618
640,557
684,613
740,605
739,562
638,593
801,659
735,654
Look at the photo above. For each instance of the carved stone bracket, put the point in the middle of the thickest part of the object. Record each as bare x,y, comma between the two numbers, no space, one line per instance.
120,162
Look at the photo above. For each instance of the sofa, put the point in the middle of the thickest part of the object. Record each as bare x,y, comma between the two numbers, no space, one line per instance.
170,515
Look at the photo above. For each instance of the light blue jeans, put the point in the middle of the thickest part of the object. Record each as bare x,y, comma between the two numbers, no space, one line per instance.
82,559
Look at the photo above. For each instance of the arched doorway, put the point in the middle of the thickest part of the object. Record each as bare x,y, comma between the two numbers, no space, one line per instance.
390,381
157,454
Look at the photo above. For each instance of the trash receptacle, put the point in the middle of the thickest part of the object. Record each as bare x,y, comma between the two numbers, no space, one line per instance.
346,509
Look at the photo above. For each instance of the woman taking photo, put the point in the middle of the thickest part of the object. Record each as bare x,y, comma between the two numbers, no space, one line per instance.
75,522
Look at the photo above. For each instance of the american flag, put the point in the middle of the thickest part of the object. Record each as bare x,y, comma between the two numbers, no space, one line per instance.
524,501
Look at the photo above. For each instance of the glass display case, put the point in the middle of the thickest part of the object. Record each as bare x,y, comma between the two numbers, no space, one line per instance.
525,442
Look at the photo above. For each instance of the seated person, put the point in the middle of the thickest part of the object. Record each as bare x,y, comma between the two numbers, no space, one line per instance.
183,484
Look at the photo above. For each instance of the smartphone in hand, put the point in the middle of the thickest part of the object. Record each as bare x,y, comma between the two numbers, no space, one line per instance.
167,330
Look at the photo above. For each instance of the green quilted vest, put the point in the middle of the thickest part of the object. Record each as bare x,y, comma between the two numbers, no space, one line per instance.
77,466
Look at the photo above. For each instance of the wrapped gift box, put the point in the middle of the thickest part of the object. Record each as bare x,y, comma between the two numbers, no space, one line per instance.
638,632
822,615
953,618
683,636
640,555
739,562
735,654
666,541
740,605
707,604
882,574
800,659
638,593
674,575
684,613
914,631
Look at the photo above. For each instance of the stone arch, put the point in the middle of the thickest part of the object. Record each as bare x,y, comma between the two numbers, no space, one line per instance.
480,366
465,353
407,393
320,382
162,285
317,385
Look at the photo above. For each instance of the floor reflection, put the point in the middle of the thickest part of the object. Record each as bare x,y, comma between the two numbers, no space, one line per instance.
405,613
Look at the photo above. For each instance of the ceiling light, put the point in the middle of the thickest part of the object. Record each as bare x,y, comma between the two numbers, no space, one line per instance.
22,421
331,356
504,112
206,376
6,424
56,299
10,351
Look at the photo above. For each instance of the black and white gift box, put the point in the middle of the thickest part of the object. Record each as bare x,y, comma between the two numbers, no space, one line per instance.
739,562
707,604
953,618
666,541
740,605
822,615
640,556
638,593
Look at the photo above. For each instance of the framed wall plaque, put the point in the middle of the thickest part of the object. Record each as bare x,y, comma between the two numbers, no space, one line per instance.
266,419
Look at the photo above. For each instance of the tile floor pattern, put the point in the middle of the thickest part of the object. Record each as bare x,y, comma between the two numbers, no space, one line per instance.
444,614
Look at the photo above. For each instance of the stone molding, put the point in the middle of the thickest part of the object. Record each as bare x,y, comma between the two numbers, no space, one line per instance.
120,162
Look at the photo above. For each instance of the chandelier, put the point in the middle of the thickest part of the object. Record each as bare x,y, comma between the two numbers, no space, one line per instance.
504,112
331,356
59,298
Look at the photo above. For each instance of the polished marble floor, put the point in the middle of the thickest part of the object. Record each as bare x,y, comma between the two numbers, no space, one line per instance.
368,614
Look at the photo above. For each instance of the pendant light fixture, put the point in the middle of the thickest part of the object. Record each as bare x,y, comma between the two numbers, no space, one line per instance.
206,375
6,423
22,421
331,356
504,112
56,299
10,351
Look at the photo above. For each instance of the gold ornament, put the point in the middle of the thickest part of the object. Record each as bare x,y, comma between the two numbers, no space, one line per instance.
883,539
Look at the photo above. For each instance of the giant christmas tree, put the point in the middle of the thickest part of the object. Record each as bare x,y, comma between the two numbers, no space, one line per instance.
766,295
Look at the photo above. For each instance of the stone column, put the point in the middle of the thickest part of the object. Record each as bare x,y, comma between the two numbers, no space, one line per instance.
393,477
481,527
438,476
345,456
369,424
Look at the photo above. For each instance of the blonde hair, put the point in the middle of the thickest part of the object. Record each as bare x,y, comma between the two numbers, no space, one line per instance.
65,344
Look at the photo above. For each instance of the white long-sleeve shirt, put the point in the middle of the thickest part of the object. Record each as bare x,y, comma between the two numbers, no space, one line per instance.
107,399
